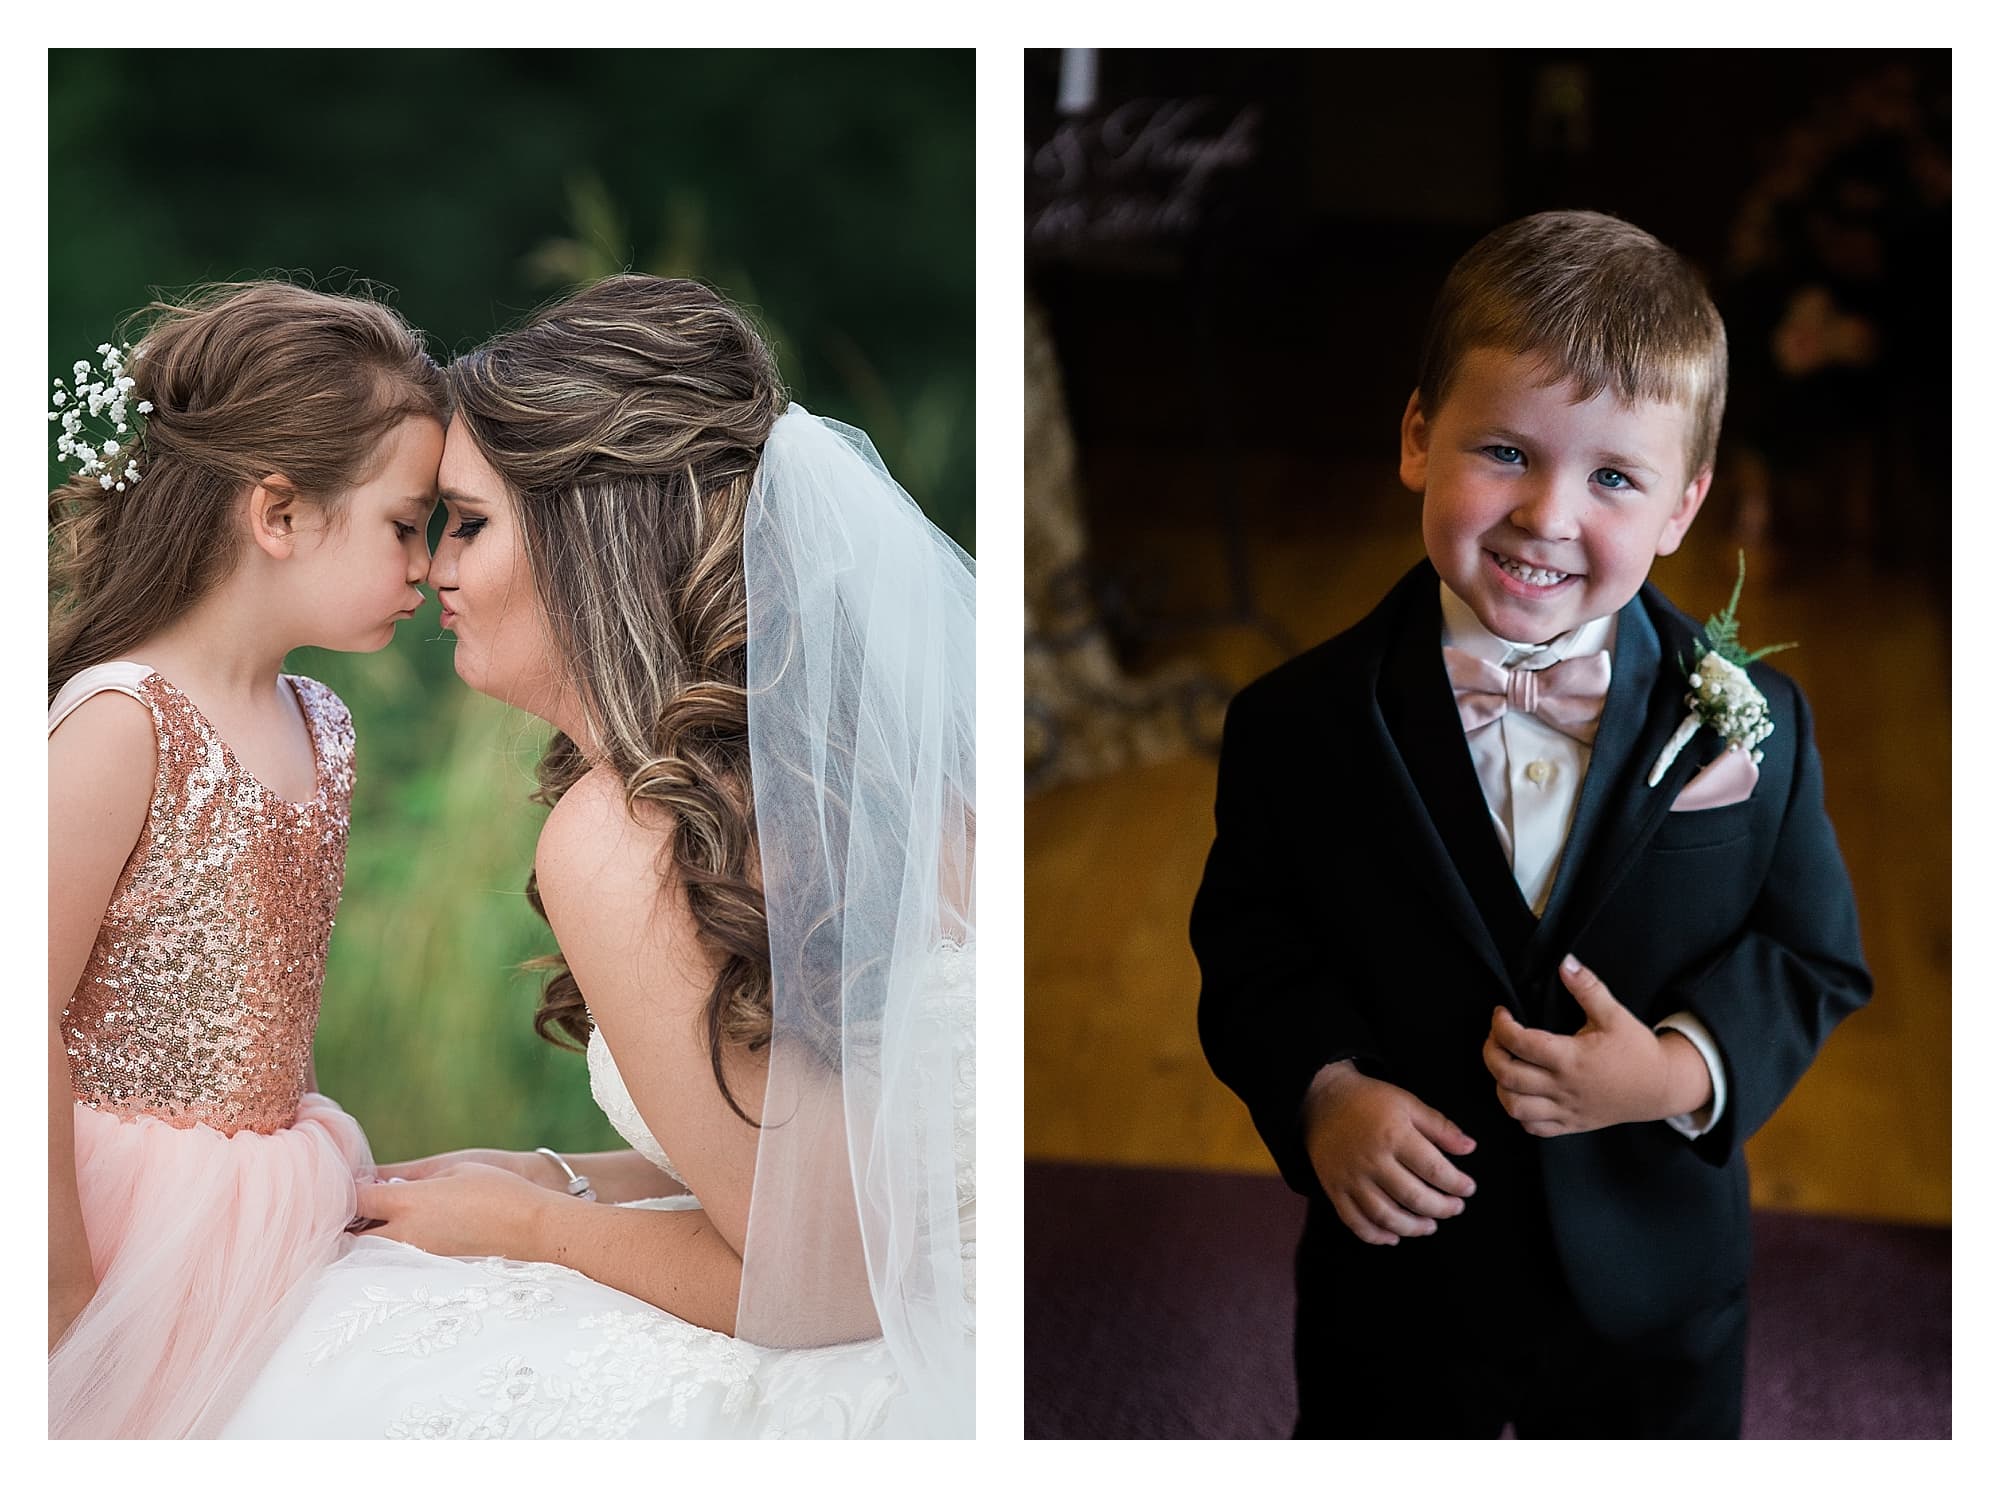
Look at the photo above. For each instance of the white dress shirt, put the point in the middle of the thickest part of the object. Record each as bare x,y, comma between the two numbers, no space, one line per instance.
1531,775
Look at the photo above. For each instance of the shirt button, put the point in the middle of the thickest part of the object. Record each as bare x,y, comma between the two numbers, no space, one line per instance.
1541,771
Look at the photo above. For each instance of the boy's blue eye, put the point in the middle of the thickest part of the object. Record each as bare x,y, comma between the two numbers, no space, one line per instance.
1614,479
1506,454
404,529
467,528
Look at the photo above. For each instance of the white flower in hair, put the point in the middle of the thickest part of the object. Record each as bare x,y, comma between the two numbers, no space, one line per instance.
104,393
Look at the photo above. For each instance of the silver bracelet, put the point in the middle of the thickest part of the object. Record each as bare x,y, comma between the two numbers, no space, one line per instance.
578,1184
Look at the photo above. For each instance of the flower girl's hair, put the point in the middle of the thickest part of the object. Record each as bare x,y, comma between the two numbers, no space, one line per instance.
244,380
627,422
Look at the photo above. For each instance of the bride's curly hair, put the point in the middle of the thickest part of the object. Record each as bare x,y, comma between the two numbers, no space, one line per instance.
627,421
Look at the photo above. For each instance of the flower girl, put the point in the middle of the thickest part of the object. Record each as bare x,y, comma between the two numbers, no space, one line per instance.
255,475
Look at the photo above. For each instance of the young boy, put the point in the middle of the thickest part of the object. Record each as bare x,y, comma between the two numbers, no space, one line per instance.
1504,1011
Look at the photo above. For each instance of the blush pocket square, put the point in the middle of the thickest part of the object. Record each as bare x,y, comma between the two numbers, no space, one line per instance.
1723,781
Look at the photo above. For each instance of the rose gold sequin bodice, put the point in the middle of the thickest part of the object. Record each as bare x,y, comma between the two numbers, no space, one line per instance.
201,995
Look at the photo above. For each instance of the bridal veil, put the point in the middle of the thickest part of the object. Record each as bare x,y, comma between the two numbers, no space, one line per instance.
860,702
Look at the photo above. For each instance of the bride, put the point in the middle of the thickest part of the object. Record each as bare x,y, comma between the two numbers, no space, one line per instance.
757,655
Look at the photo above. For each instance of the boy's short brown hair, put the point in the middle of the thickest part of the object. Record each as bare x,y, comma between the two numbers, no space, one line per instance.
1604,303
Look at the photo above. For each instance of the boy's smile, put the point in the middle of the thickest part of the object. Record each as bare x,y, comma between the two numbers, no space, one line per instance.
1539,512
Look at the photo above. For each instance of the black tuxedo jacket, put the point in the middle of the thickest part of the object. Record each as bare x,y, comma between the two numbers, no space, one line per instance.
1357,904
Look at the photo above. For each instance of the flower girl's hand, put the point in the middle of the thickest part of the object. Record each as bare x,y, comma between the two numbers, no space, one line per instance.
469,1209
1614,1069
533,1166
1380,1155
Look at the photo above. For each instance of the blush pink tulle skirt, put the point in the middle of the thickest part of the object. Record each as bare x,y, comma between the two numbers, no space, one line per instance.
199,1242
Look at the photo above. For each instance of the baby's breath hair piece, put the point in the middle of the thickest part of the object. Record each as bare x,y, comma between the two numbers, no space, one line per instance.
105,393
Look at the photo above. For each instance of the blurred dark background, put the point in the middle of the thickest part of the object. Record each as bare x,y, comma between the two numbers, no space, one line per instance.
1236,252
831,194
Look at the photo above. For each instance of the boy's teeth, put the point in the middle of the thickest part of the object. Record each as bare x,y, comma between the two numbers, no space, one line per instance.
1529,575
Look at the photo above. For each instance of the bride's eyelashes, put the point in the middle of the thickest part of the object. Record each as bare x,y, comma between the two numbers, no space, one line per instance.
467,528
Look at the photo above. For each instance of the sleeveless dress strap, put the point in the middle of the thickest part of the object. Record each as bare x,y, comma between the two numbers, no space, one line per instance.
108,676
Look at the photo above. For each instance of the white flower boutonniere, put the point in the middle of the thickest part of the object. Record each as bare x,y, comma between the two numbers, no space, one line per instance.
1724,697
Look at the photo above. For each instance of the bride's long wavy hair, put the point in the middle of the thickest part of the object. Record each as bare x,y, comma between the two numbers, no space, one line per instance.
627,422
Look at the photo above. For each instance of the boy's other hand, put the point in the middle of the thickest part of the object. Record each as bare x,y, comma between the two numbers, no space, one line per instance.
1380,1155
1612,1070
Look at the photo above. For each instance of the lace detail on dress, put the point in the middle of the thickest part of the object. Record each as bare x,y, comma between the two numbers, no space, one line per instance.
642,1367
948,1007
438,1320
607,1088
798,1404
633,1364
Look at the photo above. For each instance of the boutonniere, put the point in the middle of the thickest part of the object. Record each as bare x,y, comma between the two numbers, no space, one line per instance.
1724,697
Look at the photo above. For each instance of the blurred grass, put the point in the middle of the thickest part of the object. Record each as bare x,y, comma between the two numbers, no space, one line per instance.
470,186
425,1024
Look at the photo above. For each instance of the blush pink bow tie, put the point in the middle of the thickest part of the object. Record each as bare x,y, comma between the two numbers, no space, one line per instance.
1566,695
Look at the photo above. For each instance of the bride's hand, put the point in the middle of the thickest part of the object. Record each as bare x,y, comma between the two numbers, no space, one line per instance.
533,1166
466,1209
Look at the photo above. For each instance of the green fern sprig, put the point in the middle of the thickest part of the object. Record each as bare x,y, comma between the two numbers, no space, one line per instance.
1720,630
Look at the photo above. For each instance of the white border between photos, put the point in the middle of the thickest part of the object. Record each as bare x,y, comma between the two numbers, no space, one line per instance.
1975,785
23,613
1002,615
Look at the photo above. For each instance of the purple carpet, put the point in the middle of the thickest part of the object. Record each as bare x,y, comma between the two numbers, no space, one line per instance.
1159,1304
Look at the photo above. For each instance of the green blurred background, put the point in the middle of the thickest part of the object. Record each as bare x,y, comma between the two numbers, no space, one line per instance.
831,193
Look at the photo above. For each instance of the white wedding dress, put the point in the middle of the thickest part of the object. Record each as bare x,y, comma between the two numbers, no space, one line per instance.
396,1342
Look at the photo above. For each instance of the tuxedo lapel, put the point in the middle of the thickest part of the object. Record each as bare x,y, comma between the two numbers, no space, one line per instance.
1635,666
1455,843
1617,812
